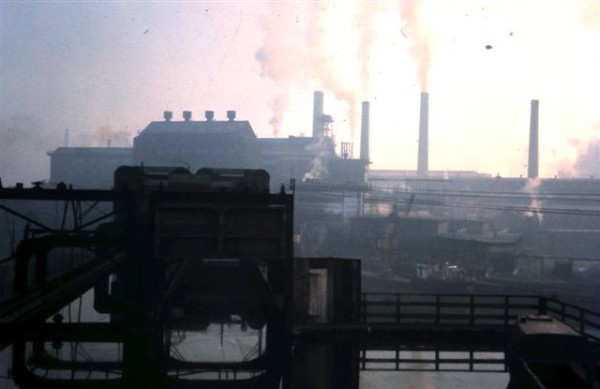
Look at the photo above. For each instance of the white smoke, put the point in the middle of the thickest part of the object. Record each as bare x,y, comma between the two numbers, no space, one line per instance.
417,32
584,161
318,168
330,51
534,209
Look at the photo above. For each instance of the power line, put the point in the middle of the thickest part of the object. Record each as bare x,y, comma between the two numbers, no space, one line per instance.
392,197
583,197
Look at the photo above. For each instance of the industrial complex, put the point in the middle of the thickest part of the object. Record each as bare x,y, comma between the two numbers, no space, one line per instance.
484,223
204,256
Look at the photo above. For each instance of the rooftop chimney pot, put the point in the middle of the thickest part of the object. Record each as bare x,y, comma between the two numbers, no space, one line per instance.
231,115
187,115
209,115
168,115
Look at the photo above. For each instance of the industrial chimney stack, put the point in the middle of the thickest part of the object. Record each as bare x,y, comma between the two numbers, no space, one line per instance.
423,157
532,166
364,132
318,115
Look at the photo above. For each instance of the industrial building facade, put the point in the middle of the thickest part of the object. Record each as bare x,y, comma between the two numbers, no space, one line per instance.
337,196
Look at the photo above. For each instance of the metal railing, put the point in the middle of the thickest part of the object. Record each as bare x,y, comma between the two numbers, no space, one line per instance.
432,360
582,320
472,310
476,312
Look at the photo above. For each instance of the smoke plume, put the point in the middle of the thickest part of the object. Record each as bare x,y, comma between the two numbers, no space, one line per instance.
586,162
532,188
331,52
415,30
318,167
106,135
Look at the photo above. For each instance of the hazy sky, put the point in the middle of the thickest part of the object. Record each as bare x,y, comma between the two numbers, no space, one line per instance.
106,69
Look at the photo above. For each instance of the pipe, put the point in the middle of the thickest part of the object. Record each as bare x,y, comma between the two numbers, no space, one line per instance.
364,132
532,166
423,157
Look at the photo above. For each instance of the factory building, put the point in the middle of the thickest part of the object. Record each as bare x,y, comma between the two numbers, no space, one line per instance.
196,144
342,207
87,167
231,143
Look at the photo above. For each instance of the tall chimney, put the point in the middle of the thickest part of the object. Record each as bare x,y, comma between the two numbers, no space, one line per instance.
423,157
364,132
532,166
318,115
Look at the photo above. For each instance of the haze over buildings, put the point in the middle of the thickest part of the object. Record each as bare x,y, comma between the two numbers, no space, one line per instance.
104,71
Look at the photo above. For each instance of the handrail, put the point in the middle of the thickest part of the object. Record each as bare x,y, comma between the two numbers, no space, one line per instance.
583,320
472,310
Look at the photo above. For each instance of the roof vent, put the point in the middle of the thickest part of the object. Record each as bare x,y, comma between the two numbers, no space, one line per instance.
209,115
168,115
187,115
231,115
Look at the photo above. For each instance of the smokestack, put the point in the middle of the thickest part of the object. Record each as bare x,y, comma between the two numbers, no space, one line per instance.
318,115
66,137
532,166
423,157
364,132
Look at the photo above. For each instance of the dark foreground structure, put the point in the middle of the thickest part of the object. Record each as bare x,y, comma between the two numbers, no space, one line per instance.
171,256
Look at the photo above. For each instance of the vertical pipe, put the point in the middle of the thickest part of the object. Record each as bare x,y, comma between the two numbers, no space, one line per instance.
423,157
66,137
318,115
532,166
364,132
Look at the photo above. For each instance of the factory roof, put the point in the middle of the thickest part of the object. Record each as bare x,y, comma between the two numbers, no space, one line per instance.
91,151
237,127
288,140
